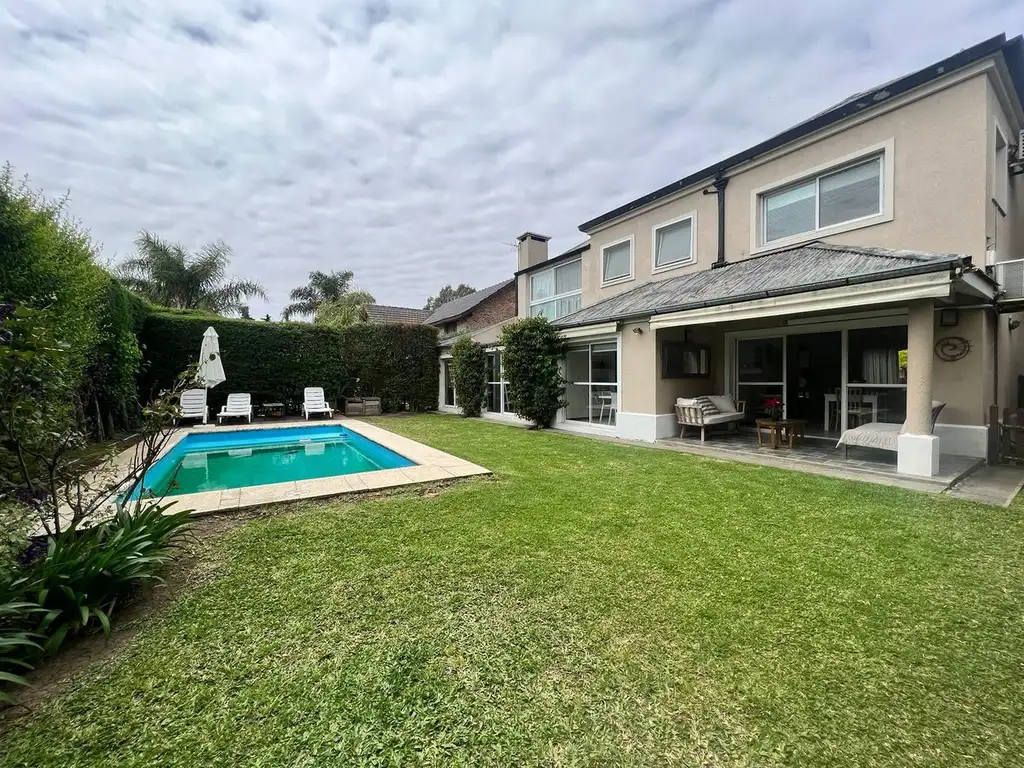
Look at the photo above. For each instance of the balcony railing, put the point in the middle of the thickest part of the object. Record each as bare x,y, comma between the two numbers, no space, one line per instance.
1010,276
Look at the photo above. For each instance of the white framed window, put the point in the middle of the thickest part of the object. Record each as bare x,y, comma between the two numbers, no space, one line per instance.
846,193
557,291
1001,172
822,202
617,261
672,243
497,387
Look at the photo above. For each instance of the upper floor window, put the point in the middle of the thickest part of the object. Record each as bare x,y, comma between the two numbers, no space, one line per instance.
555,292
673,243
827,200
1001,173
617,261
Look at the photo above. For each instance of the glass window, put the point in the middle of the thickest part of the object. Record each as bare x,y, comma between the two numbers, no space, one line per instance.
497,395
449,389
616,261
567,278
760,360
834,198
673,244
592,388
555,292
850,194
542,285
789,212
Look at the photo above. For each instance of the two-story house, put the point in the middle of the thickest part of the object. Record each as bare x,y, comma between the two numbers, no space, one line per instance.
480,315
839,266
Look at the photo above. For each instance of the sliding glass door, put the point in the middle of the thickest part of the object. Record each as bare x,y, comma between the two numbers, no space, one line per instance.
592,392
876,388
760,373
497,389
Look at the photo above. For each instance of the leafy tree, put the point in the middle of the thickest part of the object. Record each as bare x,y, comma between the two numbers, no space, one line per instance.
322,288
348,310
166,274
469,375
267,318
243,312
447,294
532,352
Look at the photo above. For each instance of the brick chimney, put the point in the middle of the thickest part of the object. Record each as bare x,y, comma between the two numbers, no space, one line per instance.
533,249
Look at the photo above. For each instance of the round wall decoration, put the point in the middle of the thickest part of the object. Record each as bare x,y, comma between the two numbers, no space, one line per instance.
952,348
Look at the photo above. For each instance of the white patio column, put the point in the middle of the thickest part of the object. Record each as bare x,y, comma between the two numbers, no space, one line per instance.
918,448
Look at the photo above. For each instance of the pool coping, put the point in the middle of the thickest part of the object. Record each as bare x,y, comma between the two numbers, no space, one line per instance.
430,465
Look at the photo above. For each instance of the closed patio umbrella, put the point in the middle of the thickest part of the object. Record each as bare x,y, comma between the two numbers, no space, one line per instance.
211,370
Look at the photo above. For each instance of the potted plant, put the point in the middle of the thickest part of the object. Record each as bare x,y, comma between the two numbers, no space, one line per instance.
773,407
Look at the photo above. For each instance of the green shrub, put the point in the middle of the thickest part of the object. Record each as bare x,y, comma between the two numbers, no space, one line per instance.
86,574
15,642
275,361
48,261
469,375
531,356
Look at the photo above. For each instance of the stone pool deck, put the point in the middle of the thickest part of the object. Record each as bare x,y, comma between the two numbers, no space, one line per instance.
432,465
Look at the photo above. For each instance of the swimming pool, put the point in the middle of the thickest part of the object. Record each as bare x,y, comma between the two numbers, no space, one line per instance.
212,461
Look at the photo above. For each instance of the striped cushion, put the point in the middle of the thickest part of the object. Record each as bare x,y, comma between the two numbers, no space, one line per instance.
707,408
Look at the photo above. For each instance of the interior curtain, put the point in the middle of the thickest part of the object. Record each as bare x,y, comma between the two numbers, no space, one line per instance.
881,366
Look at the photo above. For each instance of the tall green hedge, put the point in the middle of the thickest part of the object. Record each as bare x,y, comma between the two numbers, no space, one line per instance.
48,261
275,361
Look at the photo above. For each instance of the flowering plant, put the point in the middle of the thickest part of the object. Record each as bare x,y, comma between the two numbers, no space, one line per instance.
774,407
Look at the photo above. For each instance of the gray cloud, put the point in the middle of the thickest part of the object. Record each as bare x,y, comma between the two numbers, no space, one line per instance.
408,141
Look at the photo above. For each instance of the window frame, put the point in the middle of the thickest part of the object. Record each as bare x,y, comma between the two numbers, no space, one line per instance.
557,296
632,262
884,151
655,269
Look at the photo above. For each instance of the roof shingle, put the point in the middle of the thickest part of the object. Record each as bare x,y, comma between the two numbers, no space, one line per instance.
385,315
456,308
808,267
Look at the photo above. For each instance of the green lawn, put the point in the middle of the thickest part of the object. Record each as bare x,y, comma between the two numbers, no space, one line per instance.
592,604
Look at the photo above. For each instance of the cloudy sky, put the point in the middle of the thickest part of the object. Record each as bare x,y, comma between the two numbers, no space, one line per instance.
411,140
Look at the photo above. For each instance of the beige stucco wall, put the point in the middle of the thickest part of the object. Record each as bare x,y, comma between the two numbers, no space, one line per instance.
669,389
639,368
939,161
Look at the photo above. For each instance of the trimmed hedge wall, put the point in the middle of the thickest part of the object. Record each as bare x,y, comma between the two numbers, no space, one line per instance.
275,361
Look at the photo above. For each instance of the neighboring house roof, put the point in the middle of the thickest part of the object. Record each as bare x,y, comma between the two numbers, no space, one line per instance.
810,267
488,336
1013,53
576,250
385,315
461,307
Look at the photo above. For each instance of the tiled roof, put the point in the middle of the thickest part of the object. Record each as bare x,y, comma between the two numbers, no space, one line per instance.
795,270
385,315
456,308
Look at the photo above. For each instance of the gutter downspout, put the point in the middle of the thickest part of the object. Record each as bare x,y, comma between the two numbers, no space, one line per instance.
718,188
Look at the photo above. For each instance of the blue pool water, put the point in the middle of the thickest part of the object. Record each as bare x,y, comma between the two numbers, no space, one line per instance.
212,461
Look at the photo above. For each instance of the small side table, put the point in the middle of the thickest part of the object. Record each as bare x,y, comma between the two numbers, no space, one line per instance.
273,410
773,431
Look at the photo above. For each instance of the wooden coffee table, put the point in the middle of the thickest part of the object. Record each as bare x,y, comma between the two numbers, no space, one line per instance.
781,431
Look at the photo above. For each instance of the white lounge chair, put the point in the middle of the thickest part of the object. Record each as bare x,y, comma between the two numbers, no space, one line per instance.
313,402
193,405
239,405
881,436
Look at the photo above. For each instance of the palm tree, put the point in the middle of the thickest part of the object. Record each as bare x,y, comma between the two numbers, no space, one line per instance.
348,310
322,287
166,274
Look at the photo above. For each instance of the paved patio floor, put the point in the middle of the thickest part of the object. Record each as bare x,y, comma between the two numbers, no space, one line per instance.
822,457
